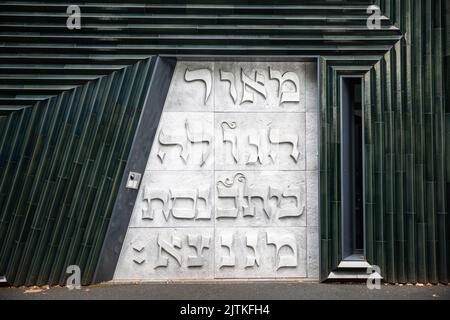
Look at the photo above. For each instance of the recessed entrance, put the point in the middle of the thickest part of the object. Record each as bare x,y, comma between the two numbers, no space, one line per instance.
352,157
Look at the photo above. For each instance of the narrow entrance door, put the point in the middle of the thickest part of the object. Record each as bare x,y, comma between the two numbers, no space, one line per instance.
352,157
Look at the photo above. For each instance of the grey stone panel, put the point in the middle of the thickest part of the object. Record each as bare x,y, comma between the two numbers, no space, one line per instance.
231,184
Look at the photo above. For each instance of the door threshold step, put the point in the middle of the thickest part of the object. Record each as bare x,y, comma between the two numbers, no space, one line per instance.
354,265
352,275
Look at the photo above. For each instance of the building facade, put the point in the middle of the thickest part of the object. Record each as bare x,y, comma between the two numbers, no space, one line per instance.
244,140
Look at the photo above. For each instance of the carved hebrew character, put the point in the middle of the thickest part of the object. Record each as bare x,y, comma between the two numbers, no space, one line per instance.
229,76
276,193
257,85
252,242
167,140
170,248
226,241
204,75
203,194
290,192
255,157
280,241
259,193
228,193
275,137
155,194
199,137
198,242
286,96
230,137
187,194
227,190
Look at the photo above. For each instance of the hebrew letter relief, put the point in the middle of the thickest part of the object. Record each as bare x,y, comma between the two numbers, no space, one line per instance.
199,137
229,76
171,248
167,140
230,137
256,156
297,211
280,241
276,137
198,242
203,195
204,75
198,208
251,239
231,193
284,94
257,85
149,196
183,194
256,193
191,137
229,189
290,192
226,241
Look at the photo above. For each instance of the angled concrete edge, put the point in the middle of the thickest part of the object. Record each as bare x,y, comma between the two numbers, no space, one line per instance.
141,147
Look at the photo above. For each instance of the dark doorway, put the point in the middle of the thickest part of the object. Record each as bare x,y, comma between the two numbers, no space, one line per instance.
352,157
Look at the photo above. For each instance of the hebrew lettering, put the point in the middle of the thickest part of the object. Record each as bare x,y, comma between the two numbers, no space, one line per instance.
149,195
229,76
171,248
203,213
191,137
253,259
199,243
288,77
226,241
167,140
256,193
276,137
183,194
198,203
230,193
257,85
280,241
291,192
223,194
229,189
256,156
200,137
231,137
203,75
